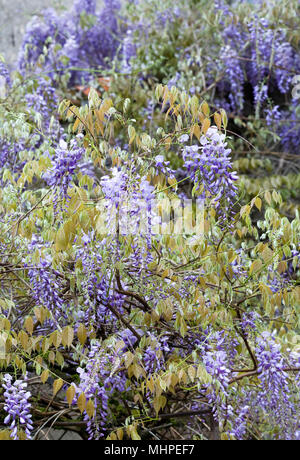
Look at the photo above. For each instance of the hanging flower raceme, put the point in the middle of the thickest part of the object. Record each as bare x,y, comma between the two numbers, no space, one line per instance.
273,115
115,190
65,163
4,79
284,62
46,286
260,94
90,385
154,354
163,166
129,204
270,49
276,397
43,99
130,211
17,406
216,363
235,77
97,383
289,132
209,166
129,51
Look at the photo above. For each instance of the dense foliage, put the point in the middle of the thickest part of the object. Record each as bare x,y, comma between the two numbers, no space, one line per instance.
150,229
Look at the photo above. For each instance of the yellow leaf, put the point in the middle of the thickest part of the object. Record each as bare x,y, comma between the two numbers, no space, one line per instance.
81,334
245,210
5,435
57,384
267,255
192,373
56,338
205,108
195,131
150,384
282,266
59,358
218,120
120,434
90,408
70,393
205,125
44,376
23,339
224,118
134,435
76,124
81,402
258,203
255,266
268,197
51,357
131,133
156,404
202,282
28,323
67,336
168,142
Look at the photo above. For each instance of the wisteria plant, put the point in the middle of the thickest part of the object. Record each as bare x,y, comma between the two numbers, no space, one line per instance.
149,287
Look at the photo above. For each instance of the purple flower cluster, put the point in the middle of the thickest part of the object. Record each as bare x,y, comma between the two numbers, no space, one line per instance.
46,287
129,51
98,290
167,16
43,99
268,43
115,190
154,355
78,40
17,406
235,76
129,204
248,323
4,74
274,400
239,422
9,150
90,385
98,384
275,397
163,166
64,166
260,94
280,281
216,363
289,131
273,115
259,59
209,166
284,61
